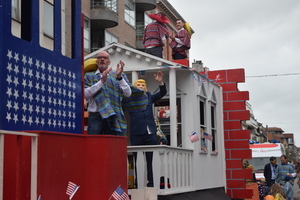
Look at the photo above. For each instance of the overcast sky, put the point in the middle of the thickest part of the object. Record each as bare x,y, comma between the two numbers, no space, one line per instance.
261,36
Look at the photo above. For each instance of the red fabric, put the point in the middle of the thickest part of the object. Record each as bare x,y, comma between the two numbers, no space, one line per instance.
154,32
185,38
159,17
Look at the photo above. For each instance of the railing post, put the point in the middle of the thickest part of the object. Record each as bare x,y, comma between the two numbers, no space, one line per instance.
1,164
34,167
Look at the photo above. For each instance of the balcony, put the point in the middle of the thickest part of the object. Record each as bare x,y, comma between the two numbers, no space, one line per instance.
104,14
144,5
139,36
172,163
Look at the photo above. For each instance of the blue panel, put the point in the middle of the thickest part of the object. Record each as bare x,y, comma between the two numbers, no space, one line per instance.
40,89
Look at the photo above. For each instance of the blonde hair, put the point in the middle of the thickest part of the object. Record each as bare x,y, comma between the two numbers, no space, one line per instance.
157,122
276,189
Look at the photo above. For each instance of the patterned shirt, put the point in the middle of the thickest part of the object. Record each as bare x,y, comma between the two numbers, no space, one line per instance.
154,32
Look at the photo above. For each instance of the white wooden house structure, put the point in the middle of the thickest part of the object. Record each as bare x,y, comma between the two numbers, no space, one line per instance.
194,102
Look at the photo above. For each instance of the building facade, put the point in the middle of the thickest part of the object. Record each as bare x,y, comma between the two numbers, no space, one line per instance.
104,22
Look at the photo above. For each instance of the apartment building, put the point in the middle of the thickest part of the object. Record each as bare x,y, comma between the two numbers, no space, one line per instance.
104,22
123,21
290,147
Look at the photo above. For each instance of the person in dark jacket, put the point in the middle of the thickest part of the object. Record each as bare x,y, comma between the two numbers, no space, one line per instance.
269,171
142,125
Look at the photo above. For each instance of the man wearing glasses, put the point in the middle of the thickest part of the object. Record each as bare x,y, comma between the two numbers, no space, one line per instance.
104,90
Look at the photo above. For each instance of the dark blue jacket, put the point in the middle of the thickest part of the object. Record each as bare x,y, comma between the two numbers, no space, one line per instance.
268,173
140,120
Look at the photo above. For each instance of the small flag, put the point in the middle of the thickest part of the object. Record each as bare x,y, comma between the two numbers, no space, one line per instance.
71,189
119,194
193,137
142,73
217,79
206,69
40,197
207,136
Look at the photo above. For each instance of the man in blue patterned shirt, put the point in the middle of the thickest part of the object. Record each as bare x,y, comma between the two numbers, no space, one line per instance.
104,90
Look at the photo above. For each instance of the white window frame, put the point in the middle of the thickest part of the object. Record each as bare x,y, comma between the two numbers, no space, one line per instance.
213,127
203,125
87,35
16,10
48,18
130,12
109,38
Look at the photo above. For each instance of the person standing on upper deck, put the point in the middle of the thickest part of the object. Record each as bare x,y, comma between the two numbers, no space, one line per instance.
104,90
181,42
155,35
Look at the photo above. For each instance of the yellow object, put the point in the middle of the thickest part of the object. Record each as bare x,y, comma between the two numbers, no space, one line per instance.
141,83
188,28
90,65
130,181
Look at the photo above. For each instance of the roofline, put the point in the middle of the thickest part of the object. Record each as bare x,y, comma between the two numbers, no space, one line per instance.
112,47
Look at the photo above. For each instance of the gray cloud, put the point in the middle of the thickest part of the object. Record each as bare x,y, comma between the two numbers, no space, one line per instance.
263,38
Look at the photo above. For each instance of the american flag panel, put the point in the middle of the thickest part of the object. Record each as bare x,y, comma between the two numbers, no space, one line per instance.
40,89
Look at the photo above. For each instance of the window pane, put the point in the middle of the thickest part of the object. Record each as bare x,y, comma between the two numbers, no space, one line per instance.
213,128
130,12
109,38
48,19
86,34
15,10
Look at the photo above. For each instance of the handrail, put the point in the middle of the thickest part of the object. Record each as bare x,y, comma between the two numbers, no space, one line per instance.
172,163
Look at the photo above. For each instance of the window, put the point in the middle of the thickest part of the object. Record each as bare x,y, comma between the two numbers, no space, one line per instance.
86,34
48,20
213,126
162,112
130,12
128,45
109,4
16,10
203,142
147,19
109,38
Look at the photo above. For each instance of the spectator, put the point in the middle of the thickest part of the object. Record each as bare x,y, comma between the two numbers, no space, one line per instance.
161,138
276,193
269,172
282,172
246,165
296,186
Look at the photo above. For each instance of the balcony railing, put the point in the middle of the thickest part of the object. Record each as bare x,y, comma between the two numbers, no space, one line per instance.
140,32
172,163
106,4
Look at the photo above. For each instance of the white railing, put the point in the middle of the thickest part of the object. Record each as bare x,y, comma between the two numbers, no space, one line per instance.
34,156
172,163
